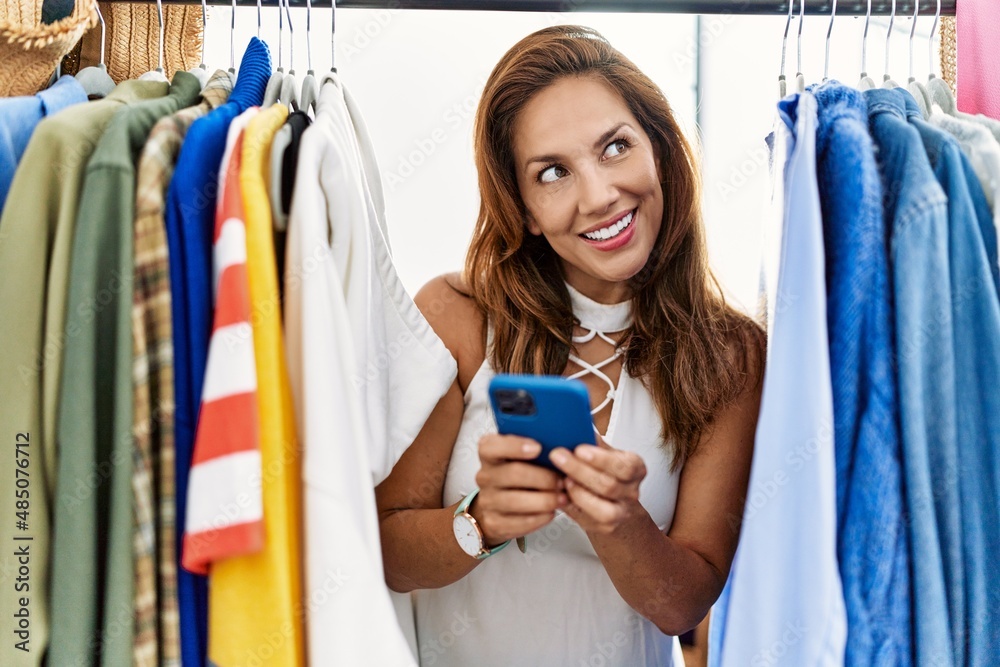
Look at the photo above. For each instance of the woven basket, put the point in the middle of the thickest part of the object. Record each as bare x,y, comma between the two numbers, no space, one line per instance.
29,50
131,47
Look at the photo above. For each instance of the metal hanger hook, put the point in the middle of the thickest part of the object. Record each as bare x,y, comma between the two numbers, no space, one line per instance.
930,42
159,19
258,19
309,48
864,42
784,41
888,34
291,38
232,39
333,33
100,17
802,13
281,35
829,32
204,25
913,31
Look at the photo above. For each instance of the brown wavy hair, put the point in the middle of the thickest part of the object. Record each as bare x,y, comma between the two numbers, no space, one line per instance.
693,351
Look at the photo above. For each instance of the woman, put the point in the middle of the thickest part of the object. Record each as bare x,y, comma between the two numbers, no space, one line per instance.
588,259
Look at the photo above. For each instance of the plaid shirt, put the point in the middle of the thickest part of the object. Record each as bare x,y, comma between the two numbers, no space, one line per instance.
157,620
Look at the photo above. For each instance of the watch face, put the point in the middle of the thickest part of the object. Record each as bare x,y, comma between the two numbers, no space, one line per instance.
467,535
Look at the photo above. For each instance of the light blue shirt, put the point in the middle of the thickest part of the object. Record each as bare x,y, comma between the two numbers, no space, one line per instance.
783,603
20,115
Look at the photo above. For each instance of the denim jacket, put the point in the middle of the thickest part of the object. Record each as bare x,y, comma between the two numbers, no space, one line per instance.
915,209
873,544
976,325
785,575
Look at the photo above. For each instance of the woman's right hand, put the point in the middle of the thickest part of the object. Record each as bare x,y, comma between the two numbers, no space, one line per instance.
515,497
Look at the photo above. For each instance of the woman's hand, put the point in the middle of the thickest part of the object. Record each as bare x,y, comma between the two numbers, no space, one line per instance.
515,497
602,484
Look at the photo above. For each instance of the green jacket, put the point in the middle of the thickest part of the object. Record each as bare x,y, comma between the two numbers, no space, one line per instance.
92,561
37,234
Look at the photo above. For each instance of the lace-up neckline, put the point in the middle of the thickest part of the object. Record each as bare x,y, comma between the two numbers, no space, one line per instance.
598,319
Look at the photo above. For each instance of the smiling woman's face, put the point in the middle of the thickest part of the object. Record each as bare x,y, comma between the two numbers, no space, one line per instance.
589,178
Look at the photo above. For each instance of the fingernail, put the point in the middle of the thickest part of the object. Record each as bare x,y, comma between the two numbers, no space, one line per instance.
558,457
569,483
563,499
531,448
585,452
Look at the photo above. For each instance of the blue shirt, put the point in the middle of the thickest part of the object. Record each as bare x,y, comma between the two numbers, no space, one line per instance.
20,115
915,209
972,246
774,609
190,223
872,538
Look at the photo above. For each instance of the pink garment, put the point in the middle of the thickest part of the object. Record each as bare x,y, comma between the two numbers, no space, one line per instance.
978,57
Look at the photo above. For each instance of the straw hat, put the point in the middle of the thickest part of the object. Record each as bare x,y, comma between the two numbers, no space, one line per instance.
30,50
132,47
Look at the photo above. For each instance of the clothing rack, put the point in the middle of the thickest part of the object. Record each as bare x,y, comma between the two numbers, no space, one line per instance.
904,8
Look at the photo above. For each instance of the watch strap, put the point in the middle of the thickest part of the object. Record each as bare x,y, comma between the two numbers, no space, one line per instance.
463,507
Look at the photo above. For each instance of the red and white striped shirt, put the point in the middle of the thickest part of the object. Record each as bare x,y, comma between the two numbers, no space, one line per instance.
225,514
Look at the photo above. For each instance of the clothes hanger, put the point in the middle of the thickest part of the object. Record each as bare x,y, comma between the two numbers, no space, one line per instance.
887,81
232,45
280,142
938,91
157,74
331,76
290,88
941,96
310,86
95,80
200,70
782,84
800,79
915,87
866,82
274,83
829,32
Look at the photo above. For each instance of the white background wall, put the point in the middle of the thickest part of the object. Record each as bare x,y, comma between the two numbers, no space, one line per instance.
418,76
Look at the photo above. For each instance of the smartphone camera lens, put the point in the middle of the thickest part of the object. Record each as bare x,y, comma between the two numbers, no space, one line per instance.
517,402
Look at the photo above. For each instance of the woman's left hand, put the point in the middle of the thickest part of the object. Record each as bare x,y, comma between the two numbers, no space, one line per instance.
602,484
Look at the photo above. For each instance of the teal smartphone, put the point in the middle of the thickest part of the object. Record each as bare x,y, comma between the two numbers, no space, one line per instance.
550,409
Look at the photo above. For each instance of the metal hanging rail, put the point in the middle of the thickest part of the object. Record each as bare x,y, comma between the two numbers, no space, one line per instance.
745,7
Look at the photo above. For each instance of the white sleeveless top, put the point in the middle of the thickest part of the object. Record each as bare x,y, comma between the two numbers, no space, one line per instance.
555,604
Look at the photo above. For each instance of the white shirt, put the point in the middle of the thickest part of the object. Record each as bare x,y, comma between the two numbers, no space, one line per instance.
366,372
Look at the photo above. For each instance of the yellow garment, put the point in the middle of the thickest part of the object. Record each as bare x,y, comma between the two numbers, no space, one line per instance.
255,610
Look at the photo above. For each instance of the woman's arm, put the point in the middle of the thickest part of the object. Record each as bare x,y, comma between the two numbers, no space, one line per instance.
670,579
419,549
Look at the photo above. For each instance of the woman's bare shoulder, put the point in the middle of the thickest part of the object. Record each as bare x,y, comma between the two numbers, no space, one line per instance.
456,318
